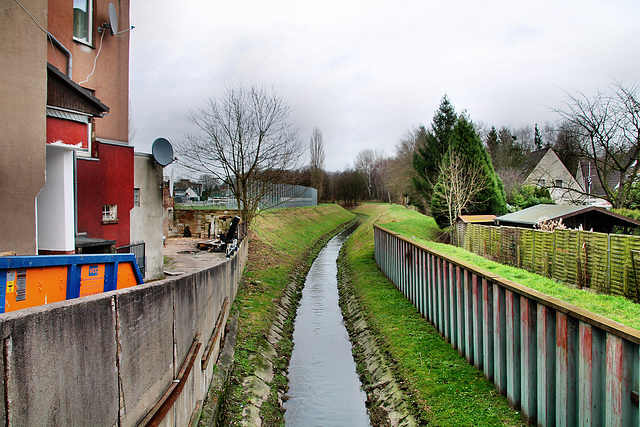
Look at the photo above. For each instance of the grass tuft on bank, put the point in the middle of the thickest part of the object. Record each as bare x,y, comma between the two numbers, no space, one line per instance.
283,244
444,388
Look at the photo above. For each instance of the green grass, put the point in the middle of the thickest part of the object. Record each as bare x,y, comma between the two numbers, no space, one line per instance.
444,387
616,308
283,244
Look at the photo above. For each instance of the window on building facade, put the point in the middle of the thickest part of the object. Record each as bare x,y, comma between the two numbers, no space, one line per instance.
559,183
541,182
109,213
82,13
136,197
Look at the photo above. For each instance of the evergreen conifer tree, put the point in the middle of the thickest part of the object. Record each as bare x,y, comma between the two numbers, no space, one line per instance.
467,145
537,139
427,158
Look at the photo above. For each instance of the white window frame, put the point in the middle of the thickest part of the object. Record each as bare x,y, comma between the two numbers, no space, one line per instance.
136,197
109,213
89,22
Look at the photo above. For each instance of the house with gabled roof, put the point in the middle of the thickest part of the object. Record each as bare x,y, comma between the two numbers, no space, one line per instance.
593,187
543,168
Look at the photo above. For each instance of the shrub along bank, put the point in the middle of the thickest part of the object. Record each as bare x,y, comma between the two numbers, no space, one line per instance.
445,389
283,245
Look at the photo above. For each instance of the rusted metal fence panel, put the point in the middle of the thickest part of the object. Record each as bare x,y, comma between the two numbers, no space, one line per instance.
558,363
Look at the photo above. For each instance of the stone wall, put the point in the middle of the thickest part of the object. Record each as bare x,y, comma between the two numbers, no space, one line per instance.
202,223
108,359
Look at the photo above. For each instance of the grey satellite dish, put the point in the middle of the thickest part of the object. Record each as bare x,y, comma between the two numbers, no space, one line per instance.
162,151
113,20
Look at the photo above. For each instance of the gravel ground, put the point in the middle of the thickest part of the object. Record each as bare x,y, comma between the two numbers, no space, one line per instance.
182,256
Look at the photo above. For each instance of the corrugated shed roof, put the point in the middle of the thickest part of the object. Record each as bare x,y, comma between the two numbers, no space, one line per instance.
532,215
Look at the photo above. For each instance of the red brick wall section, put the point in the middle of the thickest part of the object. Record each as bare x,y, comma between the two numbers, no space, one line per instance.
106,181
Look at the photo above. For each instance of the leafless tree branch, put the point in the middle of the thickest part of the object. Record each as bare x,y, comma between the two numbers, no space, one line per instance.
246,139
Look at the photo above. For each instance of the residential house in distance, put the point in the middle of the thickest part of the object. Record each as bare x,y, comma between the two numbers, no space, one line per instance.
67,165
588,178
543,168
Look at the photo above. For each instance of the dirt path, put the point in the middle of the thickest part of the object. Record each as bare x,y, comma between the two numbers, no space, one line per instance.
182,256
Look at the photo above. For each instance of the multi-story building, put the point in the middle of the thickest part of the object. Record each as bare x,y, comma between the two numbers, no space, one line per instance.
67,169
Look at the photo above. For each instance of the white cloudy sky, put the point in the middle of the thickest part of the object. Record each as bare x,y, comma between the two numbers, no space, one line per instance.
365,72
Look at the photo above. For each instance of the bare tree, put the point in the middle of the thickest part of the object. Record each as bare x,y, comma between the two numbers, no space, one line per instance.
316,165
366,162
246,139
608,125
458,186
401,171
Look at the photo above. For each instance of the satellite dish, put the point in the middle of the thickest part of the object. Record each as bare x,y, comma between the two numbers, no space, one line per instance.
162,151
113,20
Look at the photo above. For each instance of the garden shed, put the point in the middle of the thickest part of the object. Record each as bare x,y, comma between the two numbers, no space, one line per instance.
463,220
590,218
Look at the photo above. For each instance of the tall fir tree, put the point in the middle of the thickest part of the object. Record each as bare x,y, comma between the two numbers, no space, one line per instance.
466,144
427,158
537,139
493,143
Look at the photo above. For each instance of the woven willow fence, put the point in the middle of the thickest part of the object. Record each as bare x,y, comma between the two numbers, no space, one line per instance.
608,263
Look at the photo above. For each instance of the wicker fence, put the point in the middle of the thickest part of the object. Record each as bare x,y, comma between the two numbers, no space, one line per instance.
608,263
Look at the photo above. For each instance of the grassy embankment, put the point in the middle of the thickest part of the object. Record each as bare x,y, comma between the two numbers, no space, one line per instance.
445,388
283,244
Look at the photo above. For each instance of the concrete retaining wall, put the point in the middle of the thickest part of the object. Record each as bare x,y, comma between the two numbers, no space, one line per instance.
558,363
108,359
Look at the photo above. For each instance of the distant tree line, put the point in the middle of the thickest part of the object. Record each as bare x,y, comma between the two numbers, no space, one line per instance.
454,166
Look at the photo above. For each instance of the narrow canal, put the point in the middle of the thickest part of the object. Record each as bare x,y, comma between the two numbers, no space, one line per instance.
324,389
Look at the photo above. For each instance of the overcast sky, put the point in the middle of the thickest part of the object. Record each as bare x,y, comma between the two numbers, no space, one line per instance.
365,72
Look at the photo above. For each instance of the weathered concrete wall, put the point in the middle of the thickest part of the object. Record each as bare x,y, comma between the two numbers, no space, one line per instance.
109,358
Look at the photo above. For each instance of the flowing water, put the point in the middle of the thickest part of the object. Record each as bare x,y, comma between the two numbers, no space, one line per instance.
324,389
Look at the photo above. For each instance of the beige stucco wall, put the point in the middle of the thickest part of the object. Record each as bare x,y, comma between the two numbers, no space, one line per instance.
23,95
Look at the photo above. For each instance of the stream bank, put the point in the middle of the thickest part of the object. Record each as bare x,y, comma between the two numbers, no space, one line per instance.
387,401
258,382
